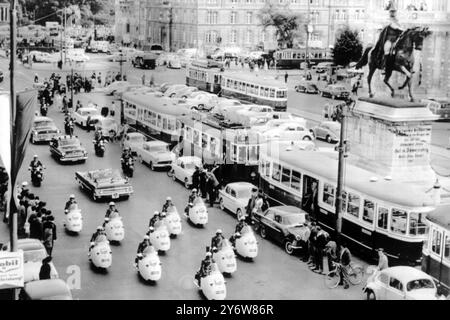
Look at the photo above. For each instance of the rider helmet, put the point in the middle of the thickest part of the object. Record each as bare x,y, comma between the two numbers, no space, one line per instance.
241,218
147,237
35,156
24,184
194,190
72,196
237,234
99,228
208,254
168,199
106,219
162,214
112,203
218,231
151,228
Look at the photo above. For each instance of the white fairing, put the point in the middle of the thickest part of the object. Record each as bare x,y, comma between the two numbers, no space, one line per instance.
213,285
173,221
101,255
73,220
246,245
32,269
225,258
198,213
114,230
150,266
160,238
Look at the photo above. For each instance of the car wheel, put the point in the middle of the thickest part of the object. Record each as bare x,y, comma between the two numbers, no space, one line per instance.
32,139
174,178
263,232
151,166
333,97
94,197
186,183
238,213
370,295
306,138
288,247
328,139
140,159
221,206
172,95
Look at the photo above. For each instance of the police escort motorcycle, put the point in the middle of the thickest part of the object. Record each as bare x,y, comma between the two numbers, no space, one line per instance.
73,220
198,214
160,238
149,264
212,284
225,257
173,221
114,229
101,255
246,245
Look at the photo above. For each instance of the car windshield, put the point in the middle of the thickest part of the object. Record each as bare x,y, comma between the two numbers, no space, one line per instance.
293,219
189,165
244,194
106,174
44,123
34,255
71,142
420,284
136,138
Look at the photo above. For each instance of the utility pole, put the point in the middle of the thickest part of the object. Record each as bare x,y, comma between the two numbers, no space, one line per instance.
308,21
170,26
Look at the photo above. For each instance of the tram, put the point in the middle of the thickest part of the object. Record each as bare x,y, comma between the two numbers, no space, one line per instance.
292,58
205,75
155,116
235,148
377,212
436,250
254,88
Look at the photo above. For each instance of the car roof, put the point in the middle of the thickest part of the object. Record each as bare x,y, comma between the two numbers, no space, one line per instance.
47,289
286,210
135,134
405,273
40,118
28,244
240,185
87,109
189,158
156,143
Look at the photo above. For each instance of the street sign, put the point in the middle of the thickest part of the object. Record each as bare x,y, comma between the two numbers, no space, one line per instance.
11,269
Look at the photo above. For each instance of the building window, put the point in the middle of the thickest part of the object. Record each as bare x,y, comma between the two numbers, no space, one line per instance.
214,17
233,36
249,18
233,17
249,36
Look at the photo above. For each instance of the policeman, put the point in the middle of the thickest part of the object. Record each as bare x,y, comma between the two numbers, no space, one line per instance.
35,163
111,209
205,267
191,199
156,217
99,232
241,224
167,205
69,203
216,241
141,248
150,231
233,238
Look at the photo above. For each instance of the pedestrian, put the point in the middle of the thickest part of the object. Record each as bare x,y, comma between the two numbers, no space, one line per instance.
286,77
46,269
21,217
99,79
112,109
251,204
143,78
196,178
304,242
345,260
320,243
211,186
265,204
312,244
105,111
49,232
331,252
383,262
203,178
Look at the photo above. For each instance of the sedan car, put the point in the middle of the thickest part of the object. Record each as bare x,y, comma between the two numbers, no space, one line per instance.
113,87
43,129
173,89
156,154
77,57
81,116
33,254
174,63
104,183
203,101
328,131
234,197
284,224
307,87
67,149
133,140
400,283
183,168
184,92
50,289
292,131
335,91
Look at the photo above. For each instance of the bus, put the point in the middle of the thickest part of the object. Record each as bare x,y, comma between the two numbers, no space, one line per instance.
235,148
377,212
204,75
255,89
154,116
436,250
292,58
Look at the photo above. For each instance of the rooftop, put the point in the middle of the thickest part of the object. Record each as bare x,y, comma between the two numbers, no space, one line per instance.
440,216
261,79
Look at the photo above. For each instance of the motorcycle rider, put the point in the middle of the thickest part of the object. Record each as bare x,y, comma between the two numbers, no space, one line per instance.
205,266
97,135
241,224
141,248
68,124
112,211
233,238
126,156
167,205
71,201
35,163
216,241
99,232
157,216
191,199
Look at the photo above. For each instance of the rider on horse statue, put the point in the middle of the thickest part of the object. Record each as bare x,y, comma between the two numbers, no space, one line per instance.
390,34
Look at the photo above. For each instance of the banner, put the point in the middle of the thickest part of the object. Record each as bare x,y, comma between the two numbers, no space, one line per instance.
11,269
5,132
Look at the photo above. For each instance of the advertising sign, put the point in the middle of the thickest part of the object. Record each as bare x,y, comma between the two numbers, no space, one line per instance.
11,269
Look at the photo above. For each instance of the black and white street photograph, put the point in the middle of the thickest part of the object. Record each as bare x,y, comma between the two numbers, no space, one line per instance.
240,150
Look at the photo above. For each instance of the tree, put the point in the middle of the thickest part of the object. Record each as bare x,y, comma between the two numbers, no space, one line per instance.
347,47
288,25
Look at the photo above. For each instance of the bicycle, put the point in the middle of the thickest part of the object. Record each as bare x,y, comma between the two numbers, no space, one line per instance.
353,274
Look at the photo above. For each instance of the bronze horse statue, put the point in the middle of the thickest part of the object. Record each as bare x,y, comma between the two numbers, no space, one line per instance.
400,59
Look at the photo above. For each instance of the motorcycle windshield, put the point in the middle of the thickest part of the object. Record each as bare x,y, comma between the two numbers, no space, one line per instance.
198,202
172,209
73,207
149,250
246,230
225,244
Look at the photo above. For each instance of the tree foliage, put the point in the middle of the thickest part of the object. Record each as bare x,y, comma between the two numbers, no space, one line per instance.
288,25
347,48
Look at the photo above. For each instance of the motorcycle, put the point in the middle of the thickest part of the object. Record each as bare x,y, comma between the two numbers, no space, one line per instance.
101,255
73,220
159,238
114,229
128,167
213,285
225,258
99,148
44,110
198,214
173,221
246,245
149,267
36,176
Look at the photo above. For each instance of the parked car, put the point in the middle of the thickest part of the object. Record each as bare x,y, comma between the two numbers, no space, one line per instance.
174,63
400,283
307,87
68,149
145,61
43,129
82,114
156,154
133,140
234,197
335,91
183,169
184,92
284,224
292,131
203,101
328,131
33,254
275,123
50,289
77,57
104,183
173,89
113,87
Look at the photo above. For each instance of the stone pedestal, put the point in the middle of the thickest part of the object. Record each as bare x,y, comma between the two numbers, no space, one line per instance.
391,137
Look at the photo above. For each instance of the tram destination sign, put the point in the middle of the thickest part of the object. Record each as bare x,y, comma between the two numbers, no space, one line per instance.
11,269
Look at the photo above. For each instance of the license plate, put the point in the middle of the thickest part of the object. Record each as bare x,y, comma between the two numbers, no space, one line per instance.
154,272
230,265
252,250
115,195
220,292
44,136
105,260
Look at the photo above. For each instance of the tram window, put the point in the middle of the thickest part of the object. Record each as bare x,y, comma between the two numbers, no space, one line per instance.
256,90
354,202
272,93
447,248
328,194
398,221
242,154
189,134
383,215
344,201
204,141
286,177
159,122
416,224
436,242
171,125
276,172
266,92
295,181
164,123
267,171
196,138
253,153
214,146
368,212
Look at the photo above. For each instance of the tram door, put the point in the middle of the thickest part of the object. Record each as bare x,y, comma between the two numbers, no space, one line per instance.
310,196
